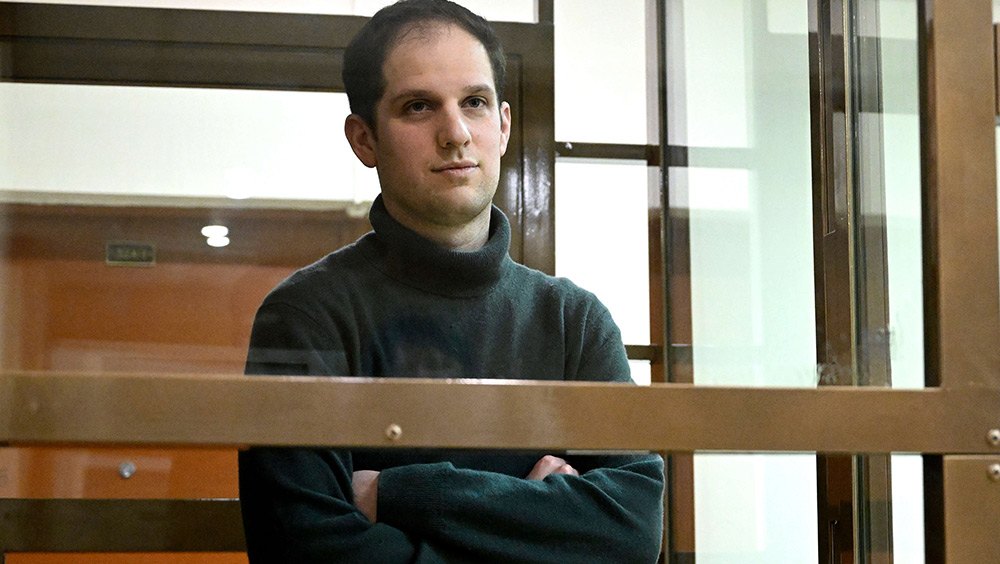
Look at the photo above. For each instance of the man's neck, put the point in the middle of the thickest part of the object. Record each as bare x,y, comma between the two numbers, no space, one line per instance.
470,236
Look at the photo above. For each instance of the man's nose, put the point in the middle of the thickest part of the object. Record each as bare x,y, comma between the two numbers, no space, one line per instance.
453,130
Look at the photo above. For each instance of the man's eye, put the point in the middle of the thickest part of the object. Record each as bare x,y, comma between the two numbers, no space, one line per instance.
417,107
477,103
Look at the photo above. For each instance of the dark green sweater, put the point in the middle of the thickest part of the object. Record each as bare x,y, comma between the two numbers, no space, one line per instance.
394,304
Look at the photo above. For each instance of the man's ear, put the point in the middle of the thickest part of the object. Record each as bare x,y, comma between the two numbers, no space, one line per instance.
362,139
504,126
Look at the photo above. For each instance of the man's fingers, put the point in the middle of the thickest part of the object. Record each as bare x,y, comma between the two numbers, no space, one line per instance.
365,486
550,464
567,469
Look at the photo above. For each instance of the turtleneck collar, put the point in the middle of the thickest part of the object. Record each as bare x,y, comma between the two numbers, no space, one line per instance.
416,261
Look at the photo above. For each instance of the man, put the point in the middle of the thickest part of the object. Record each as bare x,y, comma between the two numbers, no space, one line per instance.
432,292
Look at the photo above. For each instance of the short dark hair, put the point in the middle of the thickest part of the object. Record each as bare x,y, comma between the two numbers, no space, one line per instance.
364,60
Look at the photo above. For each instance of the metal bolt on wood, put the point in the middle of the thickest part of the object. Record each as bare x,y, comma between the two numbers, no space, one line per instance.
394,432
126,469
994,437
995,472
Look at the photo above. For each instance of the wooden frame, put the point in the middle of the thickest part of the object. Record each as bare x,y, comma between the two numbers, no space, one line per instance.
235,410
959,213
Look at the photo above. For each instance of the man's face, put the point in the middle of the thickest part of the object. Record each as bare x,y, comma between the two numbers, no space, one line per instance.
440,130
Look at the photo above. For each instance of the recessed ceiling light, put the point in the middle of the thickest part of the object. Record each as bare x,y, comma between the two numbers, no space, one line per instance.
211,231
217,241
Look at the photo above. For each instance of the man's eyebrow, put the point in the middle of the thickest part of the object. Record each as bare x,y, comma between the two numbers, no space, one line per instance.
420,93
414,93
478,88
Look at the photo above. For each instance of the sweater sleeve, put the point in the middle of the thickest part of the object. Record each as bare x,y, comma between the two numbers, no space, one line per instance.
297,503
611,515
612,512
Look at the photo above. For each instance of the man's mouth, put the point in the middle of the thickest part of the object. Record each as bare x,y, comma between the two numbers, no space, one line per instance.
456,166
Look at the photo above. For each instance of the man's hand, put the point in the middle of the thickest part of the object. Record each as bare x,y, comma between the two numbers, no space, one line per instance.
549,464
365,485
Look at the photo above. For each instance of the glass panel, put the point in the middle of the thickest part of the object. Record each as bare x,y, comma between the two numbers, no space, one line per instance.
509,10
890,278
97,180
602,239
901,153
601,78
738,99
888,182
749,208
738,256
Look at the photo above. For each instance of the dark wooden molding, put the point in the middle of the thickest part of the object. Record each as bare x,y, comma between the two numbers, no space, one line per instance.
652,353
996,70
672,155
176,48
546,11
121,525
648,153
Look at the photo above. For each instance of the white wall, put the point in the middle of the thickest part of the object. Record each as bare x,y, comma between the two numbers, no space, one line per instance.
508,10
75,140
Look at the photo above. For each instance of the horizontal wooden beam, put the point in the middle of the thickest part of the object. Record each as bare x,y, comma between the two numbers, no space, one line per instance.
129,46
236,410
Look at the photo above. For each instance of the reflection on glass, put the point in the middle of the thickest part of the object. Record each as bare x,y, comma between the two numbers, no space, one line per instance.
891,141
105,259
602,240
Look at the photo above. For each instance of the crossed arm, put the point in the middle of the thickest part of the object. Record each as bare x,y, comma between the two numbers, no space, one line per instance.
299,505
365,482
310,505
